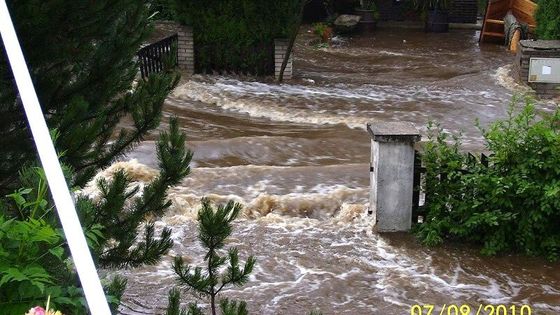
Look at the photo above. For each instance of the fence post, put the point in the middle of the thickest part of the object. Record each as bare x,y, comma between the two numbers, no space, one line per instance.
416,186
185,49
392,174
280,47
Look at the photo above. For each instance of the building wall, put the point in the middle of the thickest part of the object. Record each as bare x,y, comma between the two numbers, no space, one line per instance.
522,62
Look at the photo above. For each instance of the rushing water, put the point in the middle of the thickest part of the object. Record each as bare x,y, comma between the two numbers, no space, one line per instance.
296,156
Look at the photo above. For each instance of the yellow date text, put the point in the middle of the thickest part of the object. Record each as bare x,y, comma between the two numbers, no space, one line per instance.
465,309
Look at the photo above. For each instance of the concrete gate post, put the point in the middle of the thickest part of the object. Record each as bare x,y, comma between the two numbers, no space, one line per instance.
392,174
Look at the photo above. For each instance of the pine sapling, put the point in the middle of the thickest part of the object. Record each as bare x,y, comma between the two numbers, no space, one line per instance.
214,227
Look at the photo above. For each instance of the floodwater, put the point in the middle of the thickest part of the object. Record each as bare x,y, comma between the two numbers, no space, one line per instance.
296,156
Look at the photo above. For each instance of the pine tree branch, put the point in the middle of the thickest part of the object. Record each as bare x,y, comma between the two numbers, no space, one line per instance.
194,281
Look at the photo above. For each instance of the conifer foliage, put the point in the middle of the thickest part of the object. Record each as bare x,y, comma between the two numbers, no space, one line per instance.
215,226
548,20
121,215
82,59
81,54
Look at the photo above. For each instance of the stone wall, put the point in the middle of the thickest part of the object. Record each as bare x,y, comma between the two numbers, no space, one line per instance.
280,47
185,49
527,49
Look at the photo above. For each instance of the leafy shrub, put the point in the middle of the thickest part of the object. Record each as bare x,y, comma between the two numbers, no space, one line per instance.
24,278
511,205
548,19
33,259
236,35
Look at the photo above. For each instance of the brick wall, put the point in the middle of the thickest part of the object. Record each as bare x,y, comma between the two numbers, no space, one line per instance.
185,49
280,47
527,49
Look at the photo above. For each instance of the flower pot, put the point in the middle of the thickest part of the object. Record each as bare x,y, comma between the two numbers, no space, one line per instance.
437,21
368,22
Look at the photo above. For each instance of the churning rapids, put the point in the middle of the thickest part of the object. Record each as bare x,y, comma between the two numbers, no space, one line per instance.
296,156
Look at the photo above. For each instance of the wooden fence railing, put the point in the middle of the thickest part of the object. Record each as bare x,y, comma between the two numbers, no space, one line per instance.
419,207
151,58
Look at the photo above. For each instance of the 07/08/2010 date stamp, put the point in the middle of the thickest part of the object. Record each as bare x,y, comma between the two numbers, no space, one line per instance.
465,309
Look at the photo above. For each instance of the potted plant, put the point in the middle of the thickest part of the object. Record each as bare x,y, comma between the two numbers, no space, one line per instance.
435,14
369,15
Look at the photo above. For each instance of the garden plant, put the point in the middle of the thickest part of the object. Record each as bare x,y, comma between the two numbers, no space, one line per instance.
511,205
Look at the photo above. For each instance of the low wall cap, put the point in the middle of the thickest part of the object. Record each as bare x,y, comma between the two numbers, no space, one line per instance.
393,131
540,44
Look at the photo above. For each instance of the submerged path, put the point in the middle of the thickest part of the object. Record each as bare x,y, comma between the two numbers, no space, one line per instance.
296,155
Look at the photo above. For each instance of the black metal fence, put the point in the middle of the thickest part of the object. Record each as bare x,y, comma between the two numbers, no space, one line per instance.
418,205
152,58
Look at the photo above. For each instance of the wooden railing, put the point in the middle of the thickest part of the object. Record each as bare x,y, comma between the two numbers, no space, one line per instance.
152,58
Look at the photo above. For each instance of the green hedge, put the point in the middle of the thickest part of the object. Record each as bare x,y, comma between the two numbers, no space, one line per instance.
548,19
159,10
513,205
236,35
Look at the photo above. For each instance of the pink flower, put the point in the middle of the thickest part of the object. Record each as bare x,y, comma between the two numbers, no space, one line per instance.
37,310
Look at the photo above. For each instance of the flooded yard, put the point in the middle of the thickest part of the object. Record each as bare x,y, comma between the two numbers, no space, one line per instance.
296,156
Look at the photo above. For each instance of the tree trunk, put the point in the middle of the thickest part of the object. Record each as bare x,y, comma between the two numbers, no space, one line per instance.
213,303
212,288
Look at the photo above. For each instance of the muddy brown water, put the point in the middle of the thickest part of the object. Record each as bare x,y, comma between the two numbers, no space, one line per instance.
296,156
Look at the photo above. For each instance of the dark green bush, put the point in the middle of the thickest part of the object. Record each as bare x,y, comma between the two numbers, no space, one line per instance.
548,19
159,9
513,205
236,36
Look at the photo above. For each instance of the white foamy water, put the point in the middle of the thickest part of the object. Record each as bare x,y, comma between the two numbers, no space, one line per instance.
321,105
209,94
311,243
